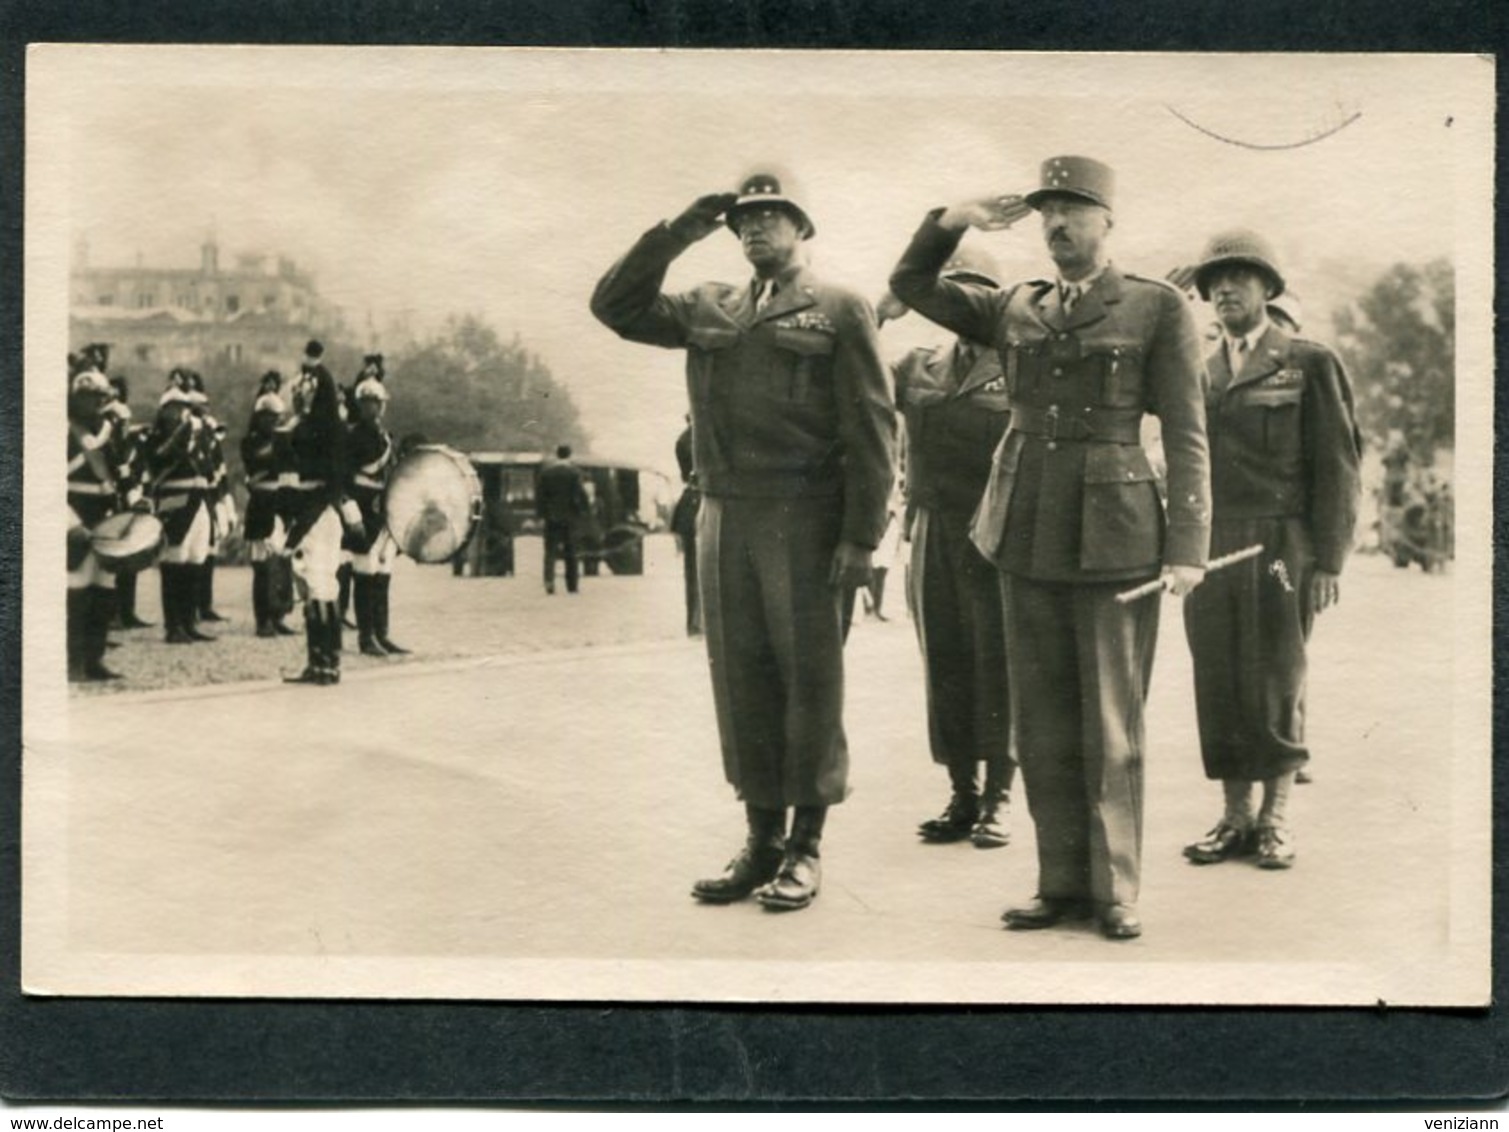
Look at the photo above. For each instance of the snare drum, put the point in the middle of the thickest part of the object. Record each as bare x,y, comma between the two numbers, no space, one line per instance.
433,503
127,542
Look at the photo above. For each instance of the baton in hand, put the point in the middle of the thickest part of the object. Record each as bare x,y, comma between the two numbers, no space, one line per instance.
1156,585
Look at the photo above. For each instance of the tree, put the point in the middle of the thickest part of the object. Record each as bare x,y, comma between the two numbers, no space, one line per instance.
466,388
1398,342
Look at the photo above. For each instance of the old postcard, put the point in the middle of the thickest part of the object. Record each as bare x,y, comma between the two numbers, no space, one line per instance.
384,669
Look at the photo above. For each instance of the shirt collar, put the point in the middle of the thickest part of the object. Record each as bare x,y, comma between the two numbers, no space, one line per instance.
1083,285
1251,338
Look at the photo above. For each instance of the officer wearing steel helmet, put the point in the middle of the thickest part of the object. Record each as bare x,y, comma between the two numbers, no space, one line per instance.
1071,515
794,441
954,402
1284,475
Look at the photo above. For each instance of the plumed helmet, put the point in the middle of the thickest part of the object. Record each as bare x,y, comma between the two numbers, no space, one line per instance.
767,186
91,381
1239,246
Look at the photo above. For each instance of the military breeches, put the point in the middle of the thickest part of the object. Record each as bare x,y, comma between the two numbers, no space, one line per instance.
1080,665
1247,626
194,547
775,646
955,595
378,558
318,558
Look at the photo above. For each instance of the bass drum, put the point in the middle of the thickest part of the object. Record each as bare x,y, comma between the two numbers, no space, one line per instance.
433,503
126,542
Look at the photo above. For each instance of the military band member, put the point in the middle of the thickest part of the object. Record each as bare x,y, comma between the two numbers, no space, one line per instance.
316,525
371,454
1071,515
265,454
954,402
178,484
1284,475
92,498
793,430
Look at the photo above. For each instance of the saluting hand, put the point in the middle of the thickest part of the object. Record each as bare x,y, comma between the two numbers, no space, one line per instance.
889,307
1325,591
703,216
989,214
851,567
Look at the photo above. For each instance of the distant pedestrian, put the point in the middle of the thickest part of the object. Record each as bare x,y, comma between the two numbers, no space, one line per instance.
561,503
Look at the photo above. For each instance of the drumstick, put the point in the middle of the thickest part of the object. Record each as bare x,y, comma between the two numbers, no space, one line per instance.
1156,585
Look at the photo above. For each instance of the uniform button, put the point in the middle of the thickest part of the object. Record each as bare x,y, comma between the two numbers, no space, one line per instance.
1058,371
1053,408
1052,446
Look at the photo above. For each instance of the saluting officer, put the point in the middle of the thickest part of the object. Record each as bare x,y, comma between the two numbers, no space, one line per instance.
372,455
793,431
1071,515
954,401
178,487
316,527
1284,474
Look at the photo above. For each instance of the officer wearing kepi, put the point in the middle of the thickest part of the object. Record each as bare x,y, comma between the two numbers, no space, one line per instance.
1071,515
793,428
1284,475
954,401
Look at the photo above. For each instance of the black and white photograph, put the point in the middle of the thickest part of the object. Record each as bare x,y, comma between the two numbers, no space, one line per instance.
757,527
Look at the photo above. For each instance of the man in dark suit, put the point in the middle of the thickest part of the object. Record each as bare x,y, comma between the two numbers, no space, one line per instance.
1071,515
953,398
561,502
1284,475
794,434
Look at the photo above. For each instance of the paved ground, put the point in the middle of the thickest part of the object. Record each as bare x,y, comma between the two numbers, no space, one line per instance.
555,803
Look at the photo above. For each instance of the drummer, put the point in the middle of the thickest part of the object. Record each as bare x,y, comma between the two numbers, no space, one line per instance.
264,453
91,499
128,457
318,441
178,487
372,454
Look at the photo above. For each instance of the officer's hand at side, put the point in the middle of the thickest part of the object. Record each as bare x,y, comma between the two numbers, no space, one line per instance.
1182,580
703,216
1325,591
989,214
851,566
888,308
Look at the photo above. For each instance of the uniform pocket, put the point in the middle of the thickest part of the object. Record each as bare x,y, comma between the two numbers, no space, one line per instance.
802,370
1121,526
1280,411
1117,367
712,337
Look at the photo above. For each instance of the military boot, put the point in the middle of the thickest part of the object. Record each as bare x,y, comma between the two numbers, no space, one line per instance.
363,598
992,828
796,884
757,863
99,610
382,587
958,818
314,645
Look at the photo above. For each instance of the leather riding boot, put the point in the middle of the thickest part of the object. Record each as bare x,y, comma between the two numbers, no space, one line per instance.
963,810
125,602
333,631
78,615
382,590
314,646
172,628
343,575
260,603
99,611
187,595
204,599
363,598
756,864
801,874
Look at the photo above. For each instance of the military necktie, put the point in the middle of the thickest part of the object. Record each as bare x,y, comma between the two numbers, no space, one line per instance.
765,293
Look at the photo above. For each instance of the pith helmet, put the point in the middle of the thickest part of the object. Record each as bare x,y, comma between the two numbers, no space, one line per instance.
1081,177
969,264
1239,246
769,186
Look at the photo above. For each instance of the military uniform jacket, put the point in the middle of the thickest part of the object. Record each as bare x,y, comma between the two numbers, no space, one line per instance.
317,447
955,404
1072,496
1283,441
176,470
92,488
371,453
793,400
264,459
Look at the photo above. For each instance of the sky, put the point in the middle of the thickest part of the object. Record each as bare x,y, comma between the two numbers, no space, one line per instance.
504,183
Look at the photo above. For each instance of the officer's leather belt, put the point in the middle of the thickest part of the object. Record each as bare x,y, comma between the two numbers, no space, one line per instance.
819,482
1110,426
